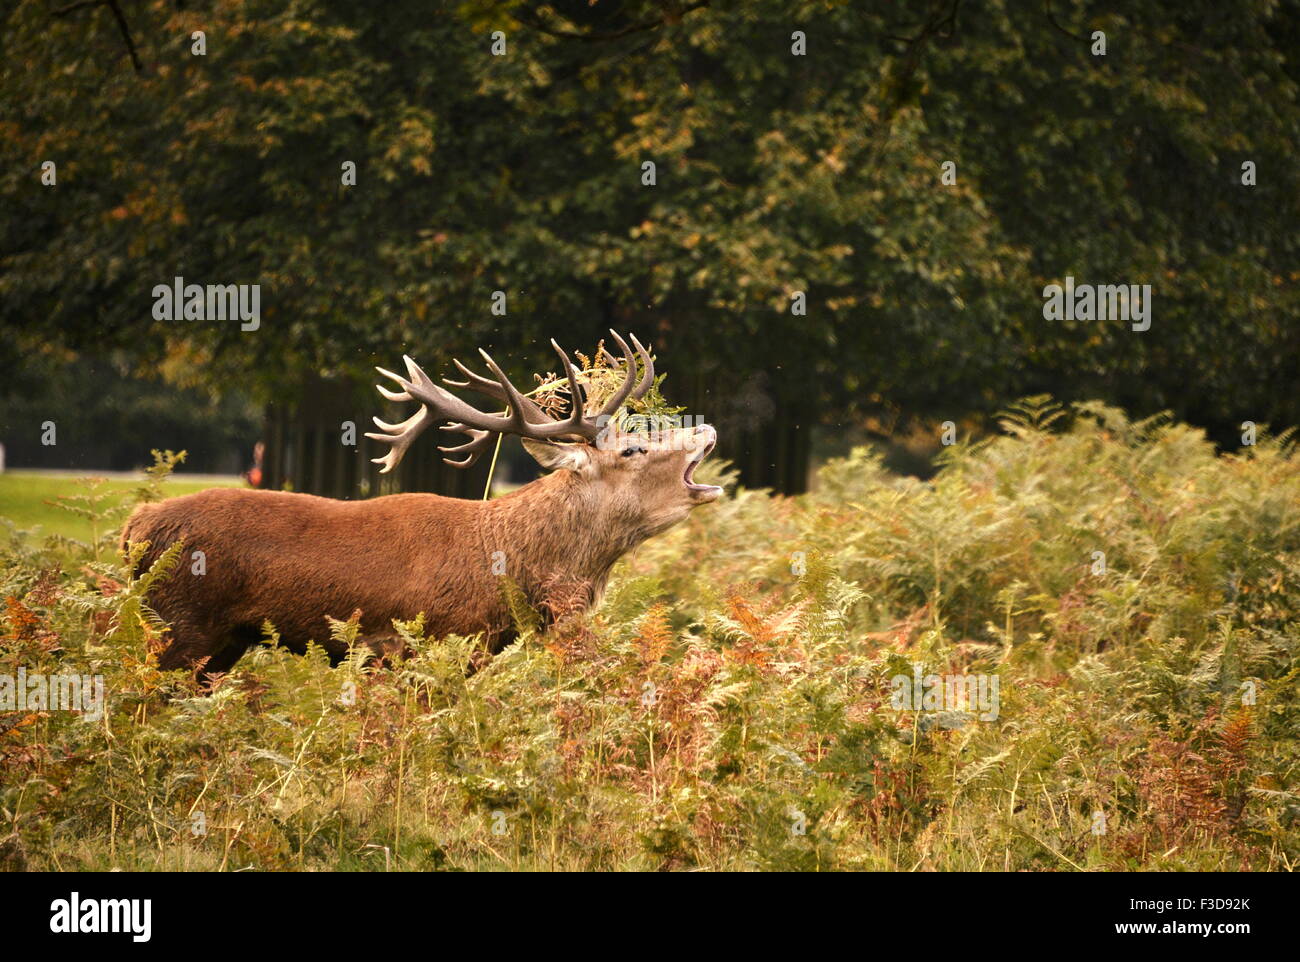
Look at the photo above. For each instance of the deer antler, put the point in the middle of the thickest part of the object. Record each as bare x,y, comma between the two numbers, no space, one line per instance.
523,416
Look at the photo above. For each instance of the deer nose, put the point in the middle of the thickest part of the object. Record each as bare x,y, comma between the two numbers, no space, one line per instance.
704,437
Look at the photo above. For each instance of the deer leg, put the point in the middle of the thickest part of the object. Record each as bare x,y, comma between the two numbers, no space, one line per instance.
192,647
383,648
221,661
186,650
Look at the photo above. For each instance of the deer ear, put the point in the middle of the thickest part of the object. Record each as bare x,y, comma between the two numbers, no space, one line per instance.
554,456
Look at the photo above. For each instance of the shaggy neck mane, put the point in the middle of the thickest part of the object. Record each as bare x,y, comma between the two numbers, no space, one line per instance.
558,543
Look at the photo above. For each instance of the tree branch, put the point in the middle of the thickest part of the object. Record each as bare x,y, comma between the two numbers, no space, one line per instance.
1051,18
122,26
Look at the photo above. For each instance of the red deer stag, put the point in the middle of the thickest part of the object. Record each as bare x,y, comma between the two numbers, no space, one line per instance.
292,559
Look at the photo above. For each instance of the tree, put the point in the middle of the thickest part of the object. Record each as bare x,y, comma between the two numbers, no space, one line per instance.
775,172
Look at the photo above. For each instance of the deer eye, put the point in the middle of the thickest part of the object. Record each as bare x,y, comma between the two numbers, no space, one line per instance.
628,452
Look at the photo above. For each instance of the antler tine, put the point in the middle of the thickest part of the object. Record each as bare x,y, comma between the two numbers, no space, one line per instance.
619,396
577,419
399,436
516,400
492,389
390,394
574,424
648,378
479,442
647,362
416,373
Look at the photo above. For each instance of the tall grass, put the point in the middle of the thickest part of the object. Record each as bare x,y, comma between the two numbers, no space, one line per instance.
728,706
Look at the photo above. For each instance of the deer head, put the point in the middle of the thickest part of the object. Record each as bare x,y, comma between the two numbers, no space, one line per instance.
646,476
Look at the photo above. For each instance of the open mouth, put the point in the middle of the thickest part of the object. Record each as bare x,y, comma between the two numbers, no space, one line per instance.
688,476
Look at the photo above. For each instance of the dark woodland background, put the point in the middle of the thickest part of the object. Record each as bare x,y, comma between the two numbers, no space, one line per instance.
776,173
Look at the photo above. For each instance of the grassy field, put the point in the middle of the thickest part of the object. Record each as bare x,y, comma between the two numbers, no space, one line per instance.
55,504
1127,601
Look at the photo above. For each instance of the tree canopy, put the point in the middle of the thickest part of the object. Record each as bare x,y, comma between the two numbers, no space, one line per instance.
797,147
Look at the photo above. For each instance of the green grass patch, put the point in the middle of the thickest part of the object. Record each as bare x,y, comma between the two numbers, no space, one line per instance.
38,503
